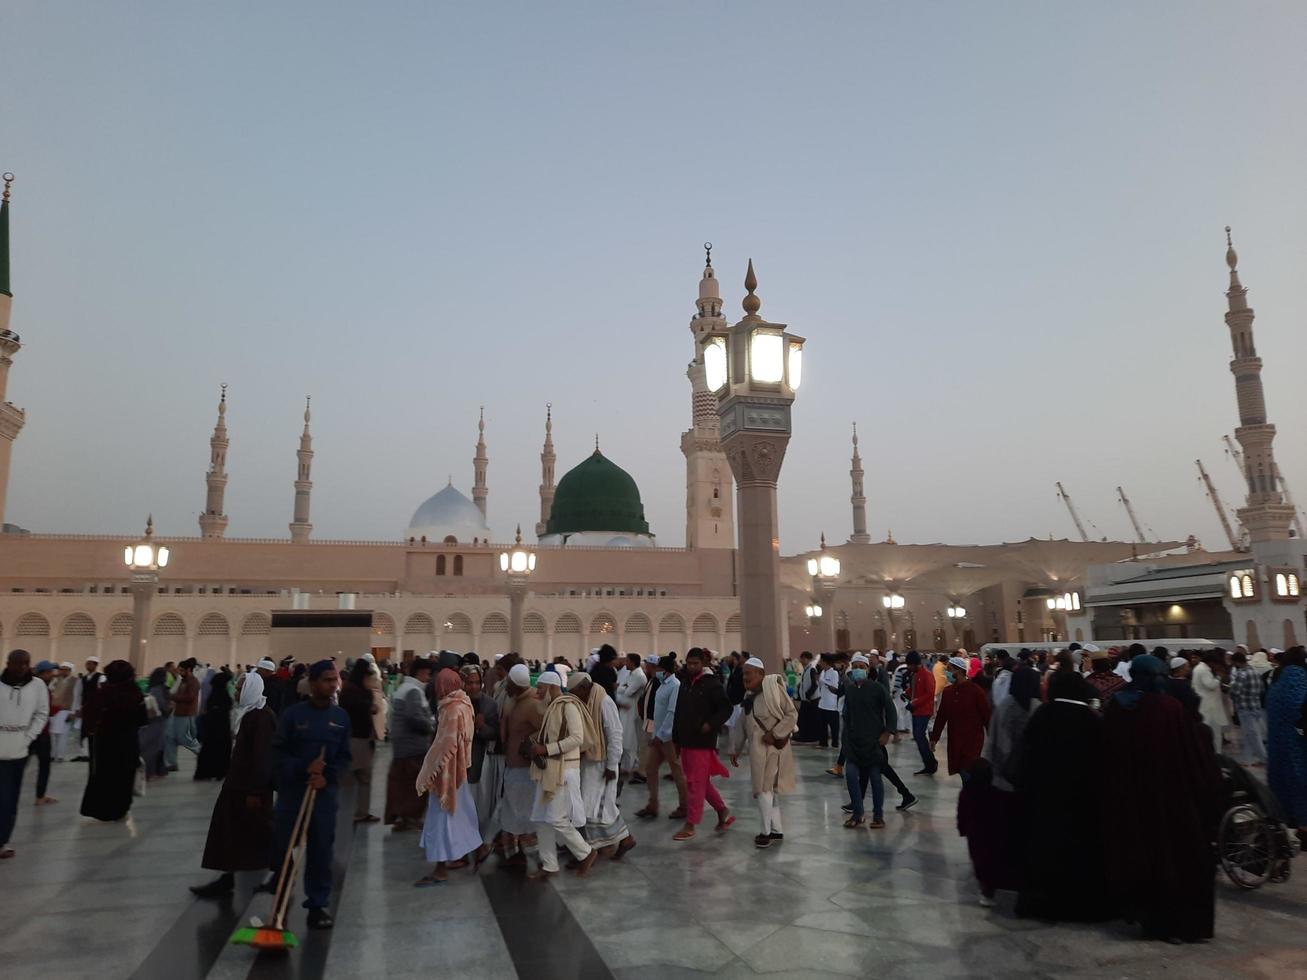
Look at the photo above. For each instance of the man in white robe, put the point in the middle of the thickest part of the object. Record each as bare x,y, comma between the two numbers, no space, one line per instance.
605,830
559,809
630,689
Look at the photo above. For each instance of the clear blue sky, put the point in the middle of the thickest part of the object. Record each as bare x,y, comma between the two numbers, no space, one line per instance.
999,225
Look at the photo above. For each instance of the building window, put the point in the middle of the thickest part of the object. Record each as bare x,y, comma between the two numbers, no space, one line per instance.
1288,587
458,564
440,564
1243,587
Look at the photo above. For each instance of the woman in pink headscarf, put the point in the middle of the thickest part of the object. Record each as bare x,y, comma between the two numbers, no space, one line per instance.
974,665
450,832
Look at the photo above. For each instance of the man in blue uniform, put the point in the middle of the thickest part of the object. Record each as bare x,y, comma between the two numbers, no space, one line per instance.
305,730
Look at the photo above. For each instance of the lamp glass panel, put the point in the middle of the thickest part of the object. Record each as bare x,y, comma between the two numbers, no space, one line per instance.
812,566
887,601
503,561
766,357
144,555
531,562
1236,589
1051,603
163,556
714,364
1281,584
796,365
1247,586
519,561
829,565
127,555
1293,585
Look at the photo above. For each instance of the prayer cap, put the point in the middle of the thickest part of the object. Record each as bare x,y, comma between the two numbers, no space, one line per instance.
859,658
520,675
1178,662
652,659
576,679
266,664
67,665
959,663
755,662
92,660
550,679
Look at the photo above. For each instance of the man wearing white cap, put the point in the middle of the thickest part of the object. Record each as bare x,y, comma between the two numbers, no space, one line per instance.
86,686
559,810
630,688
605,830
767,722
519,719
63,689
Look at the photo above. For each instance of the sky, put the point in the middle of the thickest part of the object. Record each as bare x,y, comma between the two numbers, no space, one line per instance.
999,227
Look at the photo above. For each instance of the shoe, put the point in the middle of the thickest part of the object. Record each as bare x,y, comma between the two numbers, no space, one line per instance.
646,813
268,886
367,819
320,919
637,780
677,814
6,853
925,772
777,837
847,808
221,885
877,823
908,803
762,840
986,902
835,771
170,768
81,758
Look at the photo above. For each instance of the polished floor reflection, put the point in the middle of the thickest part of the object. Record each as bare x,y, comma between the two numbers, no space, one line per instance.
108,901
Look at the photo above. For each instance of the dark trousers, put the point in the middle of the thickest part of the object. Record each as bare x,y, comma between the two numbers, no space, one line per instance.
830,724
892,778
11,783
857,777
41,749
319,850
919,725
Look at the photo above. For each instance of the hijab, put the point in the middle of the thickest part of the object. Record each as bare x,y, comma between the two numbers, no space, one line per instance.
251,699
118,694
444,770
1025,686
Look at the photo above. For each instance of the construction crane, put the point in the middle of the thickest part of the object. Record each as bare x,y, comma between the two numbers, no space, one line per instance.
1222,516
1232,451
1066,499
1139,531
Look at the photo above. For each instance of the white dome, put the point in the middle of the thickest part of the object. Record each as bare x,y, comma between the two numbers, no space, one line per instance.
445,515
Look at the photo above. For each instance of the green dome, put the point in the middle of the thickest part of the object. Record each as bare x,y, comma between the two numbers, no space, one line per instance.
597,495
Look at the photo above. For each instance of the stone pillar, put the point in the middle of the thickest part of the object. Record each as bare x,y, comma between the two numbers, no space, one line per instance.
144,586
756,463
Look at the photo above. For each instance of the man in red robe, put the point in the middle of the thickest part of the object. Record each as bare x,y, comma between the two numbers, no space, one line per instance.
964,714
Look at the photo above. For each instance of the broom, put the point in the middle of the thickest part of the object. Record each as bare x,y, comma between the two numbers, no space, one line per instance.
276,935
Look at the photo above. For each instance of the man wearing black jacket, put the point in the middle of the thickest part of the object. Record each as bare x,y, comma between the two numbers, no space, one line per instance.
702,709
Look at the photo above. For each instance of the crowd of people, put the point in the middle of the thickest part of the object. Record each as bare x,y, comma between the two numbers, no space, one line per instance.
1089,778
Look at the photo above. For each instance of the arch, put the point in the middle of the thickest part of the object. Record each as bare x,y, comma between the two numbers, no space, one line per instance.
495,623
121,624
458,564
440,564
533,622
32,624
256,624
383,624
567,623
459,623
637,623
705,623
671,623
420,623
735,623
77,624
168,624
603,624
213,624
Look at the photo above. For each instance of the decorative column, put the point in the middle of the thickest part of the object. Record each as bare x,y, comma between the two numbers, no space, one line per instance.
518,565
11,416
754,370
144,559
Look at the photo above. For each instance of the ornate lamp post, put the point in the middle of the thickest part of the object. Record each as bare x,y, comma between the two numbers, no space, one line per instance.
825,572
143,559
893,602
754,369
518,564
957,613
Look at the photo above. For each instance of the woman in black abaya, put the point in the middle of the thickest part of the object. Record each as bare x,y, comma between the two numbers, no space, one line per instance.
114,715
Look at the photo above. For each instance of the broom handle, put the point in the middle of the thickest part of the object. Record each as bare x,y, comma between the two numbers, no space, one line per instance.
298,834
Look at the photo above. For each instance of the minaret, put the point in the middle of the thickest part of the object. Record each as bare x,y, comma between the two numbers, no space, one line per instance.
1265,515
547,460
859,501
213,522
709,494
11,417
300,528
479,464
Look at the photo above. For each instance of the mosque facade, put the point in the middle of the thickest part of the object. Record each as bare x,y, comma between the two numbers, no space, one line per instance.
602,575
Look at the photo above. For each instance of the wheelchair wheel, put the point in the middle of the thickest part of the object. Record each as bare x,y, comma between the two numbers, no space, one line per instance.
1284,855
1248,849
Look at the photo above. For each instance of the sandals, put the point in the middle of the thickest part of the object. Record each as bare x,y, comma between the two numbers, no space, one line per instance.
725,823
762,840
683,835
646,813
428,881
854,823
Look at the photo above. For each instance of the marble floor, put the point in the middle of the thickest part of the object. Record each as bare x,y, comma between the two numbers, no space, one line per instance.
110,901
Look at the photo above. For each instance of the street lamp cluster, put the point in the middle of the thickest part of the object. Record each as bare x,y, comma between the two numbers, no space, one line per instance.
957,612
518,564
143,560
1067,602
893,601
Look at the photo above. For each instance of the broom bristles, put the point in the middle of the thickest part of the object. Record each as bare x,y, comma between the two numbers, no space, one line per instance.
264,938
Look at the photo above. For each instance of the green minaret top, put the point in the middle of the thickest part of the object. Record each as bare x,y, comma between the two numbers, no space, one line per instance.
4,237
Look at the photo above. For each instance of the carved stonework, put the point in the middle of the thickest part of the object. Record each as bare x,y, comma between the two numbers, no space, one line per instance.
755,459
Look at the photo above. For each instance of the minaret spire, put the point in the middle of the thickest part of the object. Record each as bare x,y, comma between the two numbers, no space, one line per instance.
11,416
300,528
479,464
547,460
213,522
709,500
858,499
1265,515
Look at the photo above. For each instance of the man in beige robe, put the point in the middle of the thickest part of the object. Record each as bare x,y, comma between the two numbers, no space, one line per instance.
767,721
559,811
